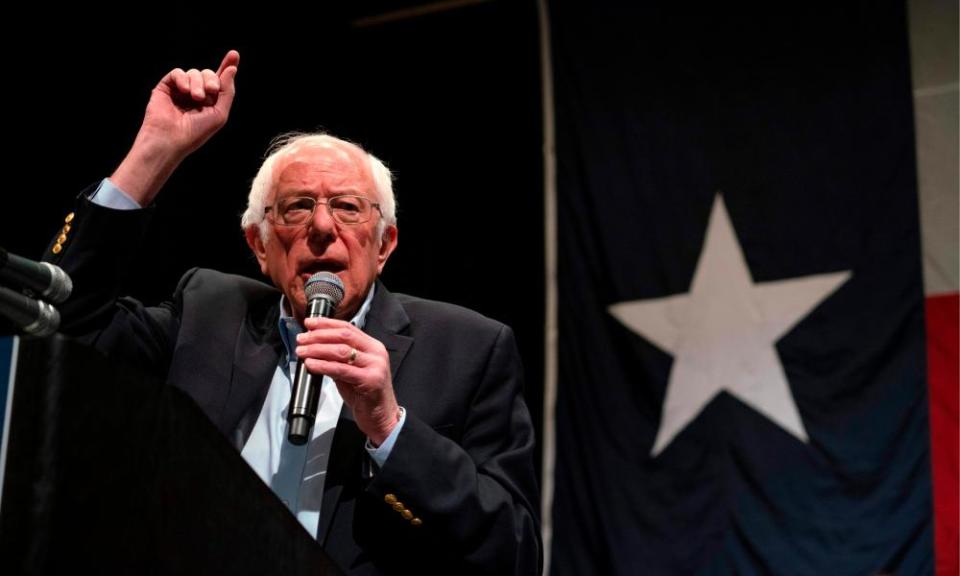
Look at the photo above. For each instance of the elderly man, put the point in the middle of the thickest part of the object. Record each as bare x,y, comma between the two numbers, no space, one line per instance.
421,456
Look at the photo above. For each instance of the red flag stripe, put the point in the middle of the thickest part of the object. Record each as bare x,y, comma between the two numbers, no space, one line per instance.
943,357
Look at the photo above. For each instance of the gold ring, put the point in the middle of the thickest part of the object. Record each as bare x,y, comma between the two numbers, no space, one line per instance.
353,356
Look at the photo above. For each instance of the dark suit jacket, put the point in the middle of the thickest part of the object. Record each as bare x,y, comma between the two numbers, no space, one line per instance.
462,464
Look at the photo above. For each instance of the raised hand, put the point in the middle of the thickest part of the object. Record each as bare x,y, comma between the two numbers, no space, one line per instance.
185,109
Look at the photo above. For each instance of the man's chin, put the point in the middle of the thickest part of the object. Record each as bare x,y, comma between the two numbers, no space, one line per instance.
296,303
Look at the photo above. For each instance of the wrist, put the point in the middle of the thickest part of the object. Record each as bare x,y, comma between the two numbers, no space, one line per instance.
145,170
386,427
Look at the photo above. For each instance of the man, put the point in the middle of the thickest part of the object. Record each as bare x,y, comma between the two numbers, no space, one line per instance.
427,467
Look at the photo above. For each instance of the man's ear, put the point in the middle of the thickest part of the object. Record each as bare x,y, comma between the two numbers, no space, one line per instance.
255,242
388,243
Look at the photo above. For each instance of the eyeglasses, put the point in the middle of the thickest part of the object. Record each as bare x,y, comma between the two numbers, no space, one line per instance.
345,209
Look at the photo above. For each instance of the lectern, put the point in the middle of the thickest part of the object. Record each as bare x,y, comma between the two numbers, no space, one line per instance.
109,471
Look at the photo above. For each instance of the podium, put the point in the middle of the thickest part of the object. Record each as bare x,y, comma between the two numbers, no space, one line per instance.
109,471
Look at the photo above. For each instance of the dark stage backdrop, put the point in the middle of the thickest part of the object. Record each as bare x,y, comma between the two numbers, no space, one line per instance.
450,101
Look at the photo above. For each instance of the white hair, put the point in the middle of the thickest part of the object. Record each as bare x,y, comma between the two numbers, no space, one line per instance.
292,142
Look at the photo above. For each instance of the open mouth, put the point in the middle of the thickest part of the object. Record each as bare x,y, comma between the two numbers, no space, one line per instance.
308,269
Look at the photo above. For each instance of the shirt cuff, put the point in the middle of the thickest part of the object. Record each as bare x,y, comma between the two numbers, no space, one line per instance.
109,196
382,452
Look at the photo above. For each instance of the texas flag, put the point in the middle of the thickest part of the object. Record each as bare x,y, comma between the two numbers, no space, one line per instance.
746,357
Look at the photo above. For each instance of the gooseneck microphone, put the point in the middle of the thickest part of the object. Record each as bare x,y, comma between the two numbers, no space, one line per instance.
44,279
324,293
28,316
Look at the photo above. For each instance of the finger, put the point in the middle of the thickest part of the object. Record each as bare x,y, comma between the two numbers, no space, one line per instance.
180,80
196,85
362,350
331,330
227,74
321,322
349,394
335,335
342,374
211,82
334,352
231,58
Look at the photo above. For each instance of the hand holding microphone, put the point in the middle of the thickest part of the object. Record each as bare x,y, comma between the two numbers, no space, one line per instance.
359,366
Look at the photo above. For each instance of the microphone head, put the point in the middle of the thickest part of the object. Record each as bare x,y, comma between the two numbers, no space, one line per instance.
46,323
60,284
324,285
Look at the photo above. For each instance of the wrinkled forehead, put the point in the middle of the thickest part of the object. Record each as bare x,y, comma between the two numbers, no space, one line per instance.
332,165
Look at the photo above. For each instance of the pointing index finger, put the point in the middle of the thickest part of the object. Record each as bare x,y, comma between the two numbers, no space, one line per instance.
232,58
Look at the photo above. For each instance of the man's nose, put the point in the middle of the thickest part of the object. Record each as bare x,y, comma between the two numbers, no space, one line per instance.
322,224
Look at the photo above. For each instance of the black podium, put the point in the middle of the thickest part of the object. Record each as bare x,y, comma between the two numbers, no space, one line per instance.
111,472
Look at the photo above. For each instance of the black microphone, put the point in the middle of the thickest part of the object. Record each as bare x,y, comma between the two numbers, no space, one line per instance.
324,293
45,280
28,316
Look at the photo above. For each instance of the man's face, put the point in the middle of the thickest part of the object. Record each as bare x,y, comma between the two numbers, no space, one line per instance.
291,254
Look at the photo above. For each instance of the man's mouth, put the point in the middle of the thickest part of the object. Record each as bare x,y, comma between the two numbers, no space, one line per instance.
308,269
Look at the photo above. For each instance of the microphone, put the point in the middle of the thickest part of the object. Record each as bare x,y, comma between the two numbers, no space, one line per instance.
46,280
324,293
29,316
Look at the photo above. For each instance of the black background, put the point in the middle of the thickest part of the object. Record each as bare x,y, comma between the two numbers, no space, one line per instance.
449,100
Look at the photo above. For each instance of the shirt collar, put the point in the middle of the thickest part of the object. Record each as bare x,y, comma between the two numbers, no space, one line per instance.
289,327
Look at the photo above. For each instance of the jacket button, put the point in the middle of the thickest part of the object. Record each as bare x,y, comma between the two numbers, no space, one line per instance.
61,238
57,248
407,515
416,522
390,499
69,218
66,228
398,506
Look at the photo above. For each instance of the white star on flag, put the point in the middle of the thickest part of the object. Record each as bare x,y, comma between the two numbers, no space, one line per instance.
723,332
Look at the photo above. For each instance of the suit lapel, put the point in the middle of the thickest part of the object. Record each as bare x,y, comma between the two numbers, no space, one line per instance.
255,359
387,322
